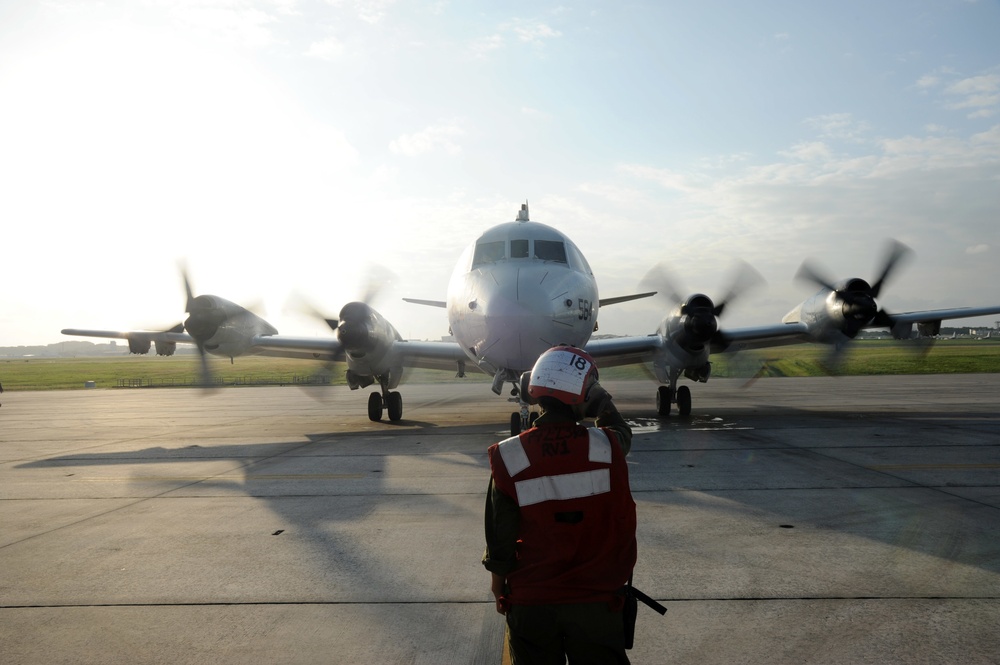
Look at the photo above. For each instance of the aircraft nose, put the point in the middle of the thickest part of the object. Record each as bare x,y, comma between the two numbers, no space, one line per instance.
521,301
526,313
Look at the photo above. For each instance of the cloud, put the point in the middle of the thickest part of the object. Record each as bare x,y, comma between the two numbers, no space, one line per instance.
286,7
976,85
432,139
808,152
665,178
979,94
229,21
937,193
534,33
840,126
486,45
528,32
372,11
369,11
535,113
329,49
928,81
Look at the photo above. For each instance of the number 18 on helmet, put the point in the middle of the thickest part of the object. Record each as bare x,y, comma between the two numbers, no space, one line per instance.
565,373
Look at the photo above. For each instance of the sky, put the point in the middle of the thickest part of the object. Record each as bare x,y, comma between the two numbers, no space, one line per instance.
284,150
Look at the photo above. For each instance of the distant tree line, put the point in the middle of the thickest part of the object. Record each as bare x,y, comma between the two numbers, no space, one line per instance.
74,349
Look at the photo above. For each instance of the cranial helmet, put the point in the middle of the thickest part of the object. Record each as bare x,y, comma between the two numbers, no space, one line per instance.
565,373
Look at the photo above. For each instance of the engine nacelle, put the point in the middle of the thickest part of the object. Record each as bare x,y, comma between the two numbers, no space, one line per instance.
902,331
697,323
699,374
165,348
929,328
355,381
138,346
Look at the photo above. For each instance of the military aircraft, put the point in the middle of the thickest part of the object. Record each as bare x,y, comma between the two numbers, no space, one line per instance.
519,289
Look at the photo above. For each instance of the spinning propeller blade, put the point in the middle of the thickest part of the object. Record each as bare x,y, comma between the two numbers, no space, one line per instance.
858,299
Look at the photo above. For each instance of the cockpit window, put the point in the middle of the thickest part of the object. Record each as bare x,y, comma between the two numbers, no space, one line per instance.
488,252
576,259
550,250
518,249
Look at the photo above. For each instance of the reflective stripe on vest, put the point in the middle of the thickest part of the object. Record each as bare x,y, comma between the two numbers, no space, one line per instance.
516,460
514,457
600,446
561,486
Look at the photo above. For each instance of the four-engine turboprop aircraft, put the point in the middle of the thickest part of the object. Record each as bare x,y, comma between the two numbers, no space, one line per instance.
519,289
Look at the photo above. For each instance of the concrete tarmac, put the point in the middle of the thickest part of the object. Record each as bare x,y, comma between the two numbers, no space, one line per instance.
832,520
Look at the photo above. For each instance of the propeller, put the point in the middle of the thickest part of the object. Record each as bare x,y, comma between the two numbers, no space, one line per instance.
353,324
763,369
377,278
203,321
894,252
700,313
661,279
858,299
744,278
857,295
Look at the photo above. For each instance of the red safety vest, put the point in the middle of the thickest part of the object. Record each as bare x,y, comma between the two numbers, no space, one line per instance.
576,540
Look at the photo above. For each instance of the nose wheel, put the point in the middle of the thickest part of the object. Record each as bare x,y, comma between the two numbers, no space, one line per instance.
518,424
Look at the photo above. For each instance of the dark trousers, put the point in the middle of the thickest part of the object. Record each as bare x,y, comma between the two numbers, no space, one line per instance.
588,634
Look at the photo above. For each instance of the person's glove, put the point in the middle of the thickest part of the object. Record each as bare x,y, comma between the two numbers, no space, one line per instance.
598,400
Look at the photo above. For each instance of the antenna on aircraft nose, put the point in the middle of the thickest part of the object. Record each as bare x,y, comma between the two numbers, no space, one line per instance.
522,214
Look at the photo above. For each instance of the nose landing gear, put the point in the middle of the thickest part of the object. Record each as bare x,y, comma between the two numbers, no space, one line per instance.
524,419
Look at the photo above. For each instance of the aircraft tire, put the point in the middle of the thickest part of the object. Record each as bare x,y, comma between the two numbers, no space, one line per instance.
515,423
663,401
375,407
394,403
684,401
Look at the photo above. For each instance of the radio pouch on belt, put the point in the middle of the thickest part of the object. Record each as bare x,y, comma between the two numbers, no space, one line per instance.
631,609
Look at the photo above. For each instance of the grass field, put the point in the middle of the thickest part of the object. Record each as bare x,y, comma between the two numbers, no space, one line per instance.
866,357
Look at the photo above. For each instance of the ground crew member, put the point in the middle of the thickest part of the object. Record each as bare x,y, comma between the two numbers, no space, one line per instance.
560,519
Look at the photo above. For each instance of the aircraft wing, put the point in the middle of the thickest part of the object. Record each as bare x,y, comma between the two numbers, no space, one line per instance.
617,351
139,335
759,337
426,355
942,314
408,353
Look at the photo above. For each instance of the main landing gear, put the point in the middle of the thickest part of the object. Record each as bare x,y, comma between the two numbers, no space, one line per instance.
389,400
665,397
671,394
